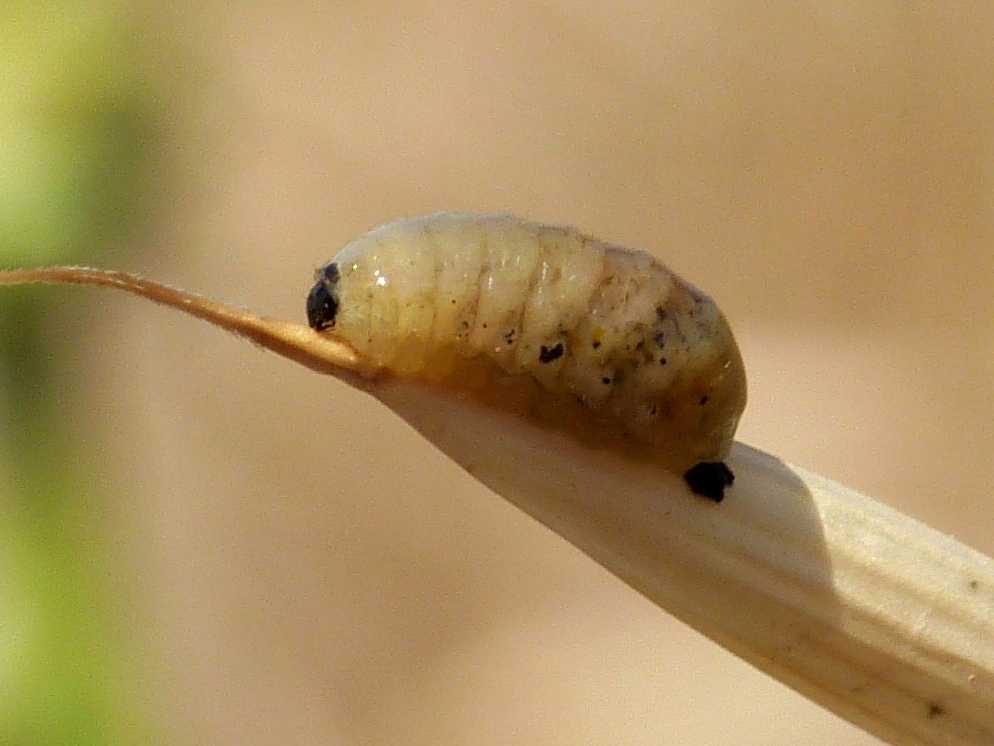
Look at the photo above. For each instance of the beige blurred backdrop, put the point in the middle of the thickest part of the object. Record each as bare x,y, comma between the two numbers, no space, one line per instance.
295,565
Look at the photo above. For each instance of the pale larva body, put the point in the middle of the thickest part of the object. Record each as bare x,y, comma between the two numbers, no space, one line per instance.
594,336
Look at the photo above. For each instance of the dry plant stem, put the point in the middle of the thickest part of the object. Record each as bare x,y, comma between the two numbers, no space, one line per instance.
875,616
293,341
866,611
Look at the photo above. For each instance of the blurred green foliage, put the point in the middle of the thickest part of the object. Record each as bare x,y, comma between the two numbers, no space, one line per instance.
73,139
71,127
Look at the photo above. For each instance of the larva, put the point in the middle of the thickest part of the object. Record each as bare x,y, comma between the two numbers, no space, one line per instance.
602,340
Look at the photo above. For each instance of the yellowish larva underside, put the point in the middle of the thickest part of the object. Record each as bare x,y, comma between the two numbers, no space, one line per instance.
552,323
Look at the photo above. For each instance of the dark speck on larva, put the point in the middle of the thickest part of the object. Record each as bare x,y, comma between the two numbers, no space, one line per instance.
548,354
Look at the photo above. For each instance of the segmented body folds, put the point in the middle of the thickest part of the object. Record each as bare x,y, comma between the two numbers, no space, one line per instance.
559,324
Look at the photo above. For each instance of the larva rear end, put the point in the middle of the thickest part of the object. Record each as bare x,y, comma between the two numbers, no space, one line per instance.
603,341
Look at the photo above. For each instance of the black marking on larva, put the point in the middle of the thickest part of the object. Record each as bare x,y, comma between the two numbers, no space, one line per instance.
709,479
974,585
509,337
704,400
596,345
322,303
660,340
662,361
548,354
935,710
606,381
660,313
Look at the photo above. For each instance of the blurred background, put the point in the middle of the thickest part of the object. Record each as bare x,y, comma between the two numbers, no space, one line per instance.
201,543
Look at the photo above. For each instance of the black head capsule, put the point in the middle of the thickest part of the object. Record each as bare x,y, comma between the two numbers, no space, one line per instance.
322,304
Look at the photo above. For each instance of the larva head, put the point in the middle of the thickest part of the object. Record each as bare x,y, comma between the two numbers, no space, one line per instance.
322,301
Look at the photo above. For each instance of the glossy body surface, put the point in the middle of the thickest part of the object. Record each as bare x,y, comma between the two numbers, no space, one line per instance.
546,321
